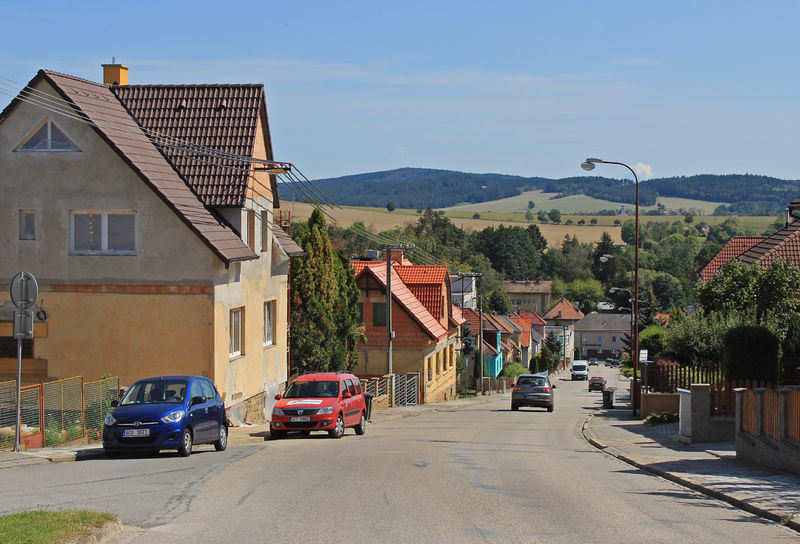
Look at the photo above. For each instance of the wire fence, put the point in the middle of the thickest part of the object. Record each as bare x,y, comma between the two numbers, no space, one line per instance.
56,412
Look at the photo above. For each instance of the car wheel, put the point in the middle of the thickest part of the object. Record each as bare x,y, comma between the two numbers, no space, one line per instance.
222,443
514,406
186,444
361,428
276,435
551,408
112,454
338,430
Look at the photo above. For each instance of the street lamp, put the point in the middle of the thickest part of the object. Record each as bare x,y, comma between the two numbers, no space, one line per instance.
588,165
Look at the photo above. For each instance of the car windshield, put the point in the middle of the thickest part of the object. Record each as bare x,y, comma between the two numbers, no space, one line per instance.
530,382
312,389
155,392
579,368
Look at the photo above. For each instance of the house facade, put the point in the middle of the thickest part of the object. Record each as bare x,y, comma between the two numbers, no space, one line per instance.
492,341
425,324
561,319
465,293
529,295
601,335
154,256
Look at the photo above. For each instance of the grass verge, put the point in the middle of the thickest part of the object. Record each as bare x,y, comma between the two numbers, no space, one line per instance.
37,526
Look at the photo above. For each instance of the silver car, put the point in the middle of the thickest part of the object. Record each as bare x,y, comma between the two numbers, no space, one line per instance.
533,390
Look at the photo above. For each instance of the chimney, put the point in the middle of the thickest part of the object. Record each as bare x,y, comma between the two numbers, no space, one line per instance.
115,74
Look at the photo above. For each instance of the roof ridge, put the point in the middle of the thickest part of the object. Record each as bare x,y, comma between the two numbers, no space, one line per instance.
70,76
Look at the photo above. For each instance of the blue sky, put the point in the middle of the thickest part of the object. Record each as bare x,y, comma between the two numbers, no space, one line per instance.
526,88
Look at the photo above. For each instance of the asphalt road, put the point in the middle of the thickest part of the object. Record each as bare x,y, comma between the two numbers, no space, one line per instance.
478,474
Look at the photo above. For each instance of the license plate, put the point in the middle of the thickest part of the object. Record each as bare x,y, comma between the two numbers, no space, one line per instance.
130,433
300,418
534,397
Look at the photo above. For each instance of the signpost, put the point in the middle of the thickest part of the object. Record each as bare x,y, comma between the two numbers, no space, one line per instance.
24,290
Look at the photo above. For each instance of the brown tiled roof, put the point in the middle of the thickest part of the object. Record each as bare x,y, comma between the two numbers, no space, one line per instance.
222,117
456,316
525,325
287,244
735,247
784,244
535,318
113,123
564,310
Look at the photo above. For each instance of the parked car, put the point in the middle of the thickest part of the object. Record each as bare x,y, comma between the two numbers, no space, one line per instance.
166,412
597,383
593,361
324,401
533,390
609,362
580,370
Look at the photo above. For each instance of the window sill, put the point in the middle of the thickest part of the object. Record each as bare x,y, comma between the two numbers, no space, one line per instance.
233,357
270,345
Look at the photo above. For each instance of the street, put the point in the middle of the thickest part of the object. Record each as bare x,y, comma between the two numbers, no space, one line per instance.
477,474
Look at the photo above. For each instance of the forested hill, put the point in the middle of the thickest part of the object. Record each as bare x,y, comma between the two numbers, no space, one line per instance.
416,188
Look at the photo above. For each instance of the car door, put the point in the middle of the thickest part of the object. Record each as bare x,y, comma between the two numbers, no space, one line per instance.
351,412
215,412
198,412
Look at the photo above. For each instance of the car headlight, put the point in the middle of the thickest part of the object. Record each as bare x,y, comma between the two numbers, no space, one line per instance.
326,410
173,417
277,412
109,420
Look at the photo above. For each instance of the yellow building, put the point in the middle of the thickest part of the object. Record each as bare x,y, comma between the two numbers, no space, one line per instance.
154,244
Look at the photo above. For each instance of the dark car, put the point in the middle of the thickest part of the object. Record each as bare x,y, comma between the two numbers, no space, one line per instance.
322,401
167,412
533,390
597,383
593,361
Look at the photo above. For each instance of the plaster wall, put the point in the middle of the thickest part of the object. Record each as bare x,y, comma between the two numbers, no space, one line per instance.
95,178
658,403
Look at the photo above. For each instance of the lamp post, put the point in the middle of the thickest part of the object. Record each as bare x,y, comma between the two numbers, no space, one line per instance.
588,165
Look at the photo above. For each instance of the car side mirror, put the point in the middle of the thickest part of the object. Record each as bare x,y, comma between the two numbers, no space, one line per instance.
346,394
278,396
198,400
114,403
552,385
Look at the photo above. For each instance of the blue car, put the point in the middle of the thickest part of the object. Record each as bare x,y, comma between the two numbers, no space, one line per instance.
167,412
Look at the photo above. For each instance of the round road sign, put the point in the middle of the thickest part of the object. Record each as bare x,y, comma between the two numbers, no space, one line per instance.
24,290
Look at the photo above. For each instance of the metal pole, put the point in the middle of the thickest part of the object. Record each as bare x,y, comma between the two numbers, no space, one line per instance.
388,310
19,392
636,391
480,335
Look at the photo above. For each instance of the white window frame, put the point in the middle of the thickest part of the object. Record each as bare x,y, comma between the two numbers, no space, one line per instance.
103,216
23,234
236,326
269,322
49,149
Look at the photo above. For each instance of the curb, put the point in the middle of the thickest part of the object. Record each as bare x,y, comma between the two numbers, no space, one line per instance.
591,437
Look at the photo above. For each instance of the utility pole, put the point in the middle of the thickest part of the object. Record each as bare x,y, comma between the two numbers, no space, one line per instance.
389,331
479,360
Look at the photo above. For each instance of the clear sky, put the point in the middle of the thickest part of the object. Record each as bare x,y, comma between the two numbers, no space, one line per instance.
528,88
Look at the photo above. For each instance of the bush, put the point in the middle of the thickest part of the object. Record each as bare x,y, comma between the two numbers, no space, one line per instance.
751,353
512,370
660,419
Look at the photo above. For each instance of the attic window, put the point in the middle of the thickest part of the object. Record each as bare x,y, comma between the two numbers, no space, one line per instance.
47,137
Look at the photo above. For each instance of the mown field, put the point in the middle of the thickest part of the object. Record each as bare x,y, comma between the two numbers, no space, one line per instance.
381,220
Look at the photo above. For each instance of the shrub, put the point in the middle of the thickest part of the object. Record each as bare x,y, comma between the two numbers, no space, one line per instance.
512,370
751,353
660,419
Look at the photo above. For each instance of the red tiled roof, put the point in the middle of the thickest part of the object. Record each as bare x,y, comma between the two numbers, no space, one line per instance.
456,316
525,335
419,274
403,295
222,117
535,318
564,310
115,125
429,295
784,244
735,247
489,349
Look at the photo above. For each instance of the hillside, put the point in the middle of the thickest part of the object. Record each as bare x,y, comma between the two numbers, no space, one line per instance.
416,188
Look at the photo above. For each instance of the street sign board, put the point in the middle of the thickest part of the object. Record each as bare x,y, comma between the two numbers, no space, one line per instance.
24,290
23,324
642,355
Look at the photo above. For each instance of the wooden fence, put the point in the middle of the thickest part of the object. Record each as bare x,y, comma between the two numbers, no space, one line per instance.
669,378
793,415
749,412
723,396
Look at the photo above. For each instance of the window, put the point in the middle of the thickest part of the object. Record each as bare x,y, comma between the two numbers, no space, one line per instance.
209,391
379,314
269,322
361,312
251,229
237,334
599,338
47,137
613,338
350,387
102,233
27,225
265,230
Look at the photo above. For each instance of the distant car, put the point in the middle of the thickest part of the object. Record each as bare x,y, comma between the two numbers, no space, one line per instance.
533,390
609,362
166,412
322,401
593,361
580,370
597,383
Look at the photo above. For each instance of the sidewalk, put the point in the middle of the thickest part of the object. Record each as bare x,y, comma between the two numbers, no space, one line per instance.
710,468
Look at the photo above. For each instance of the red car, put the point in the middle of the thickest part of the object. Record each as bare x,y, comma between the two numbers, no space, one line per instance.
597,383
324,401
